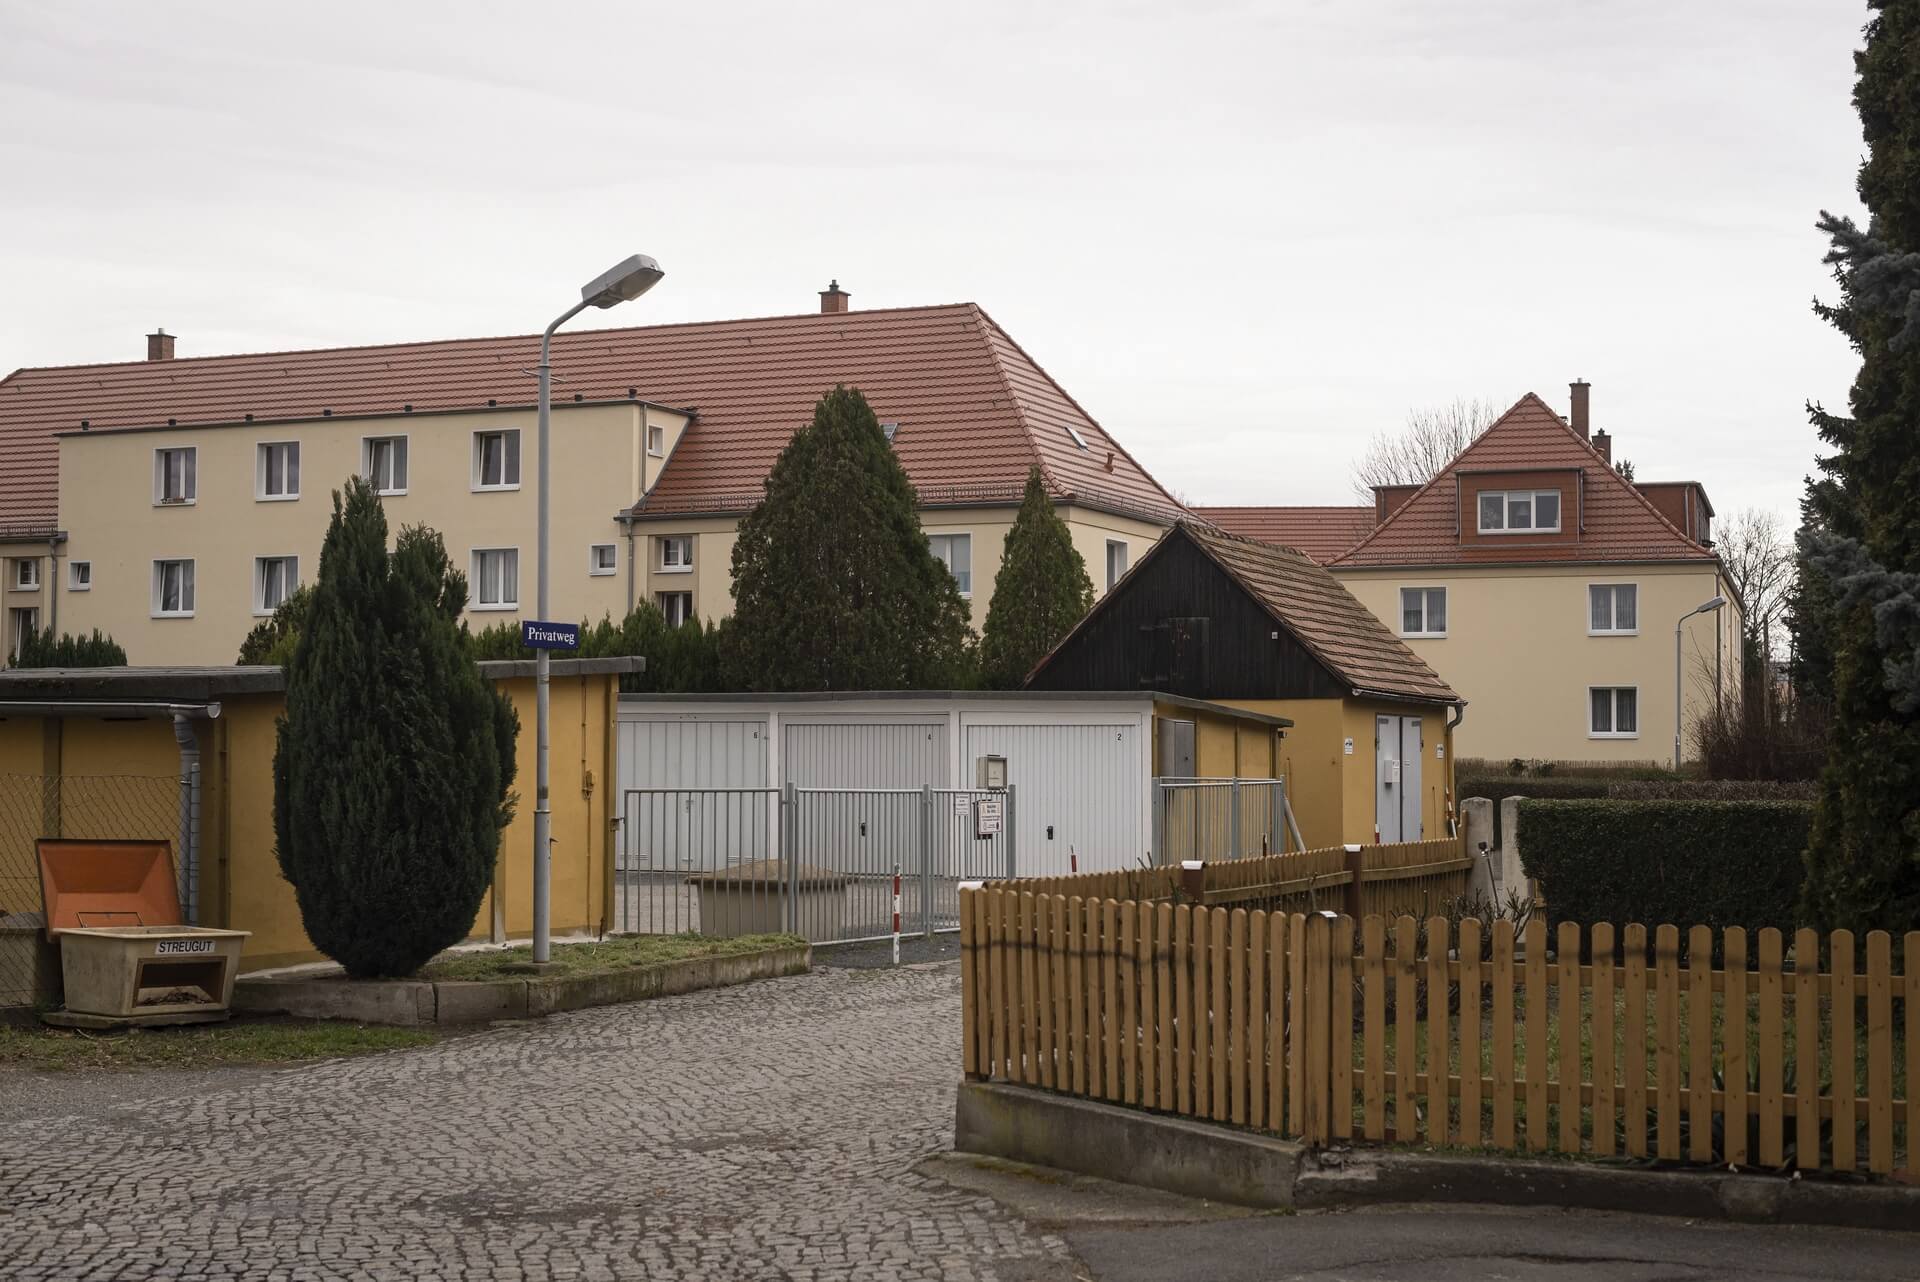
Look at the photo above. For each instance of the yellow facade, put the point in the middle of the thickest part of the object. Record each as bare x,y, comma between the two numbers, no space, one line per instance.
1519,649
605,459
1330,788
711,577
240,882
30,606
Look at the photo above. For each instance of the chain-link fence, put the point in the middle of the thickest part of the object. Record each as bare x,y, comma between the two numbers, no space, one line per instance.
78,807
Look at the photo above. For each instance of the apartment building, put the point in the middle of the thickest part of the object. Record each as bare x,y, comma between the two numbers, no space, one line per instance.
1543,585
173,502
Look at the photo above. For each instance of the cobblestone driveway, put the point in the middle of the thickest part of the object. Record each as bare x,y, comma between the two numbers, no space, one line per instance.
758,1132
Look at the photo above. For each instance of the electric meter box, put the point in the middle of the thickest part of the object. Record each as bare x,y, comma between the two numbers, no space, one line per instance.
990,773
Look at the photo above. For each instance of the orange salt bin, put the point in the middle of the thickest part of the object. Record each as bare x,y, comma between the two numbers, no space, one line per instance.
107,883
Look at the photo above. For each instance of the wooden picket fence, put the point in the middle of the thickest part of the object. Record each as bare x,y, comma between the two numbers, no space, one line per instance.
1607,1043
1397,877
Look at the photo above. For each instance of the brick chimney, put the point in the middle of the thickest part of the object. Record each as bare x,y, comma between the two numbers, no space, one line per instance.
160,346
833,298
1578,388
1603,446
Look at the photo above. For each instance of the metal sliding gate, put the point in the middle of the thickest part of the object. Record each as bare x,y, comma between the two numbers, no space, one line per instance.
818,862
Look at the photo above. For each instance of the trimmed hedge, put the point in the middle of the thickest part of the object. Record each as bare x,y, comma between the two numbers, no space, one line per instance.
1570,787
1688,863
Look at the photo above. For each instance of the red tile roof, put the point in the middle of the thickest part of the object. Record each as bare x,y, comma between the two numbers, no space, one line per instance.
1323,533
1619,523
975,412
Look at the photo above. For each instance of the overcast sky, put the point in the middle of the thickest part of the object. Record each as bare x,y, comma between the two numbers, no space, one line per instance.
1244,236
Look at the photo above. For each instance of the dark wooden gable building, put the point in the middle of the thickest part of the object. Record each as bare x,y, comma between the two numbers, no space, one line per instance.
1212,616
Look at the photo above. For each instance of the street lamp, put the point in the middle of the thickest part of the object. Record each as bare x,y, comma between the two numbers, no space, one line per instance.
627,280
1705,608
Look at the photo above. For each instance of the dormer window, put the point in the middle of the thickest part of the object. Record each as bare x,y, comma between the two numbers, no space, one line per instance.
1519,511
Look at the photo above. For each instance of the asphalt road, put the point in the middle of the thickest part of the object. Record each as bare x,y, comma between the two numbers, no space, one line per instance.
1453,1244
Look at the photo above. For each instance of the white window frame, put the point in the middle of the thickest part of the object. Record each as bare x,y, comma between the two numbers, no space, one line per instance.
479,487
1613,610
1125,551
17,616
189,590
26,574
261,609
189,479
660,603
262,454
594,568
656,441
1507,498
473,579
1426,633
404,456
966,588
681,562
74,583
1613,713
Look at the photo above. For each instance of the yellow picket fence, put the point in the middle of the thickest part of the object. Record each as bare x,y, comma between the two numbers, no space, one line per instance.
1596,1040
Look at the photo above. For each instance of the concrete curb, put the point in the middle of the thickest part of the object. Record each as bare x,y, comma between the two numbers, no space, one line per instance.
1148,1149
454,1002
1209,1161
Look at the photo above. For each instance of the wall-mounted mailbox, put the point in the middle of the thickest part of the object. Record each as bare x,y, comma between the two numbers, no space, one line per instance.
990,772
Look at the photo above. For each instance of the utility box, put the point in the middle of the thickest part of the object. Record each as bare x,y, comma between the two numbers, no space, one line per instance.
125,958
990,773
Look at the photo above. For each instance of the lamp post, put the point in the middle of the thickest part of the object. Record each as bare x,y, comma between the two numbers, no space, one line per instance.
1704,608
627,280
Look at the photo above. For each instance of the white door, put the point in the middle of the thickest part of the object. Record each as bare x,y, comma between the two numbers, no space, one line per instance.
1074,786
1397,746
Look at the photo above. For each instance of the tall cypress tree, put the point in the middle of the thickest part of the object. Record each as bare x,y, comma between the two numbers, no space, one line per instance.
834,585
1042,590
1862,540
395,755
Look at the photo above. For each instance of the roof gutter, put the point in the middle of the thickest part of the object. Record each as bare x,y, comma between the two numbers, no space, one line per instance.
1390,697
106,708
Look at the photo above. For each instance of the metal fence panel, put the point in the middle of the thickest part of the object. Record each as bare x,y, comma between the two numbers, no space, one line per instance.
701,860
79,807
819,862
1213,819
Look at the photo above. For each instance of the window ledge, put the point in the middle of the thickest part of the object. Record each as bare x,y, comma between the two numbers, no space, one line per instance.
391,494
84,587
1613,632
1423,636
601,574
672,569
1613,734
1538,529
495,489
171,614
175,502
502,608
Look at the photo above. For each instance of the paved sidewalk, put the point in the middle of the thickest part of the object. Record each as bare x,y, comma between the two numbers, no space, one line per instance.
760,1132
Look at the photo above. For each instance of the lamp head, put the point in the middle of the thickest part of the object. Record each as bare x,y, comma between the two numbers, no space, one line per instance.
623,282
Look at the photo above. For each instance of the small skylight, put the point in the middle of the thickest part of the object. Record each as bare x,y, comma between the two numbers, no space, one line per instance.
1078,439
889,429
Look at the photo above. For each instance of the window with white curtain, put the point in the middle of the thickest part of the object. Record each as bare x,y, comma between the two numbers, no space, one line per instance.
955,551
496,578
1613,609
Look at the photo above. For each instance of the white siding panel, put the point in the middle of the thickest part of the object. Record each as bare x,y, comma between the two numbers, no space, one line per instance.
1083,781
864,755
693,754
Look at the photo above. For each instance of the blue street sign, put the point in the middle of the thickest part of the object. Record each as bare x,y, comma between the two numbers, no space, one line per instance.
549,636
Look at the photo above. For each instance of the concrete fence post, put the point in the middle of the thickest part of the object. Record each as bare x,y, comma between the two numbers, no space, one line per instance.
1511,872
1477,822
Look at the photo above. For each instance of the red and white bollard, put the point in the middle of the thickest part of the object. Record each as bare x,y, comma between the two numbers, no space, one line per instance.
896,914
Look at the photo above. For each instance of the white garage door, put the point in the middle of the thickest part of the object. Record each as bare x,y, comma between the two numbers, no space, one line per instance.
864,755
1076,786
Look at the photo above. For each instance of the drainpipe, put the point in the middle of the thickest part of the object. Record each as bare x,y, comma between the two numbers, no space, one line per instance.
189,842
626,523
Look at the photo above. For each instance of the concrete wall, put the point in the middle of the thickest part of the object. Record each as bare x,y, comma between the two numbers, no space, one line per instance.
240,882
107,505
1518,650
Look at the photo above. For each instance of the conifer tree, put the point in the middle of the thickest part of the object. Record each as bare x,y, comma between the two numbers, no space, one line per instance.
395,757
834,585
1862,539
1042,590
